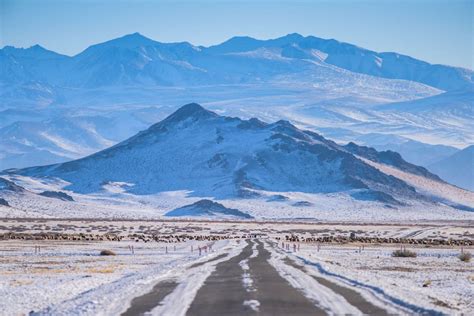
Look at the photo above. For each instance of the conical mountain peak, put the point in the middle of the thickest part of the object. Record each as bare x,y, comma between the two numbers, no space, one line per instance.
189,110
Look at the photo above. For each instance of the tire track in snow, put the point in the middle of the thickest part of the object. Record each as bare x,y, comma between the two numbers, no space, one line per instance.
330,302
246,276
353,297
190,283
147,302
401,304
275,294
223,292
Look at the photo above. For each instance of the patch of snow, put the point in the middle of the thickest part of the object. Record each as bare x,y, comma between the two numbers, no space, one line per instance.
253,304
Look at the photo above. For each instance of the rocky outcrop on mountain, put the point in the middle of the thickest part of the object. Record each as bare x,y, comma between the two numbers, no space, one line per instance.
57,195
390,158
7,185
4,202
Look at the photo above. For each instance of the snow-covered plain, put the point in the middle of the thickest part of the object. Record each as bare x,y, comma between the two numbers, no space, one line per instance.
66,277
436,279
70,277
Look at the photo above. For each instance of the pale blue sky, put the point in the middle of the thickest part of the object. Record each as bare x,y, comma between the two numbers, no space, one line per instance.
438,31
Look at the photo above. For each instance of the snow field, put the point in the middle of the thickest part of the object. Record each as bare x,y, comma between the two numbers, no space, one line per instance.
67,277
398,281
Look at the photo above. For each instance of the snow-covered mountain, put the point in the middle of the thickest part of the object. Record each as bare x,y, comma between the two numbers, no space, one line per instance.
198,150
135,59
63,138
207,208
336,89
34,64
353,58
207,155
457,169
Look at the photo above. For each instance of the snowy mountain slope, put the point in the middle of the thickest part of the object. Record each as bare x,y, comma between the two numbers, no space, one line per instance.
18,65
269,170
66,137
135,59
199,151
316,83
439,191
30,203
7,185
138,107
452,102
38,142
430,120
390,158
457,169
326,109
356,59
448,112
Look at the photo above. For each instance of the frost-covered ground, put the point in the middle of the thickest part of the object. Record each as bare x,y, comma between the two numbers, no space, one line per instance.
71,276
436,279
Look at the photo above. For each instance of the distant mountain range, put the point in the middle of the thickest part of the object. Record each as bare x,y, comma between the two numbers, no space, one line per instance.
417,153
54,108
137,60
457,169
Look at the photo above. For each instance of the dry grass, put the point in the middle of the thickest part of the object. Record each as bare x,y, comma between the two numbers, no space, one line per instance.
427,283
440,303
404,253
100,270
465,256
395,268
20,282
107,253
47,270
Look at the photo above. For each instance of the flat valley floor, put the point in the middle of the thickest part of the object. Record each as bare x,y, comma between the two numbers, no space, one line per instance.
231,268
